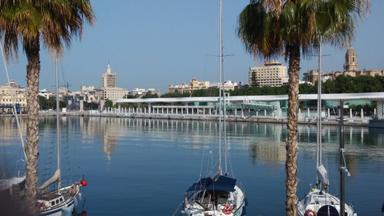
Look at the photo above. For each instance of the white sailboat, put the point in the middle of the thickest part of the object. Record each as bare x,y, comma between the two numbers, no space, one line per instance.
63,200
218,195
319,202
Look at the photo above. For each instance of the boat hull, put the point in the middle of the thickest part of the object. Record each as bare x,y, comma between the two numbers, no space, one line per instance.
195,210
316,201
65,208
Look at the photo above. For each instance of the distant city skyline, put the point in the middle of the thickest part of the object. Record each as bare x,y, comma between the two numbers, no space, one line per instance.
151,44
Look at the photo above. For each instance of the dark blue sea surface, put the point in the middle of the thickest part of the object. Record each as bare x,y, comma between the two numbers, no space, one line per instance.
143,166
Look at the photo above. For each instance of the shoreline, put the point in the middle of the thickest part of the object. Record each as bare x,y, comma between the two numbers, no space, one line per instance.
253,119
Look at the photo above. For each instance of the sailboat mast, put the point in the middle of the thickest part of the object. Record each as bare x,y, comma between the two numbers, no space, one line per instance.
342,165
319,105
221,74
57,120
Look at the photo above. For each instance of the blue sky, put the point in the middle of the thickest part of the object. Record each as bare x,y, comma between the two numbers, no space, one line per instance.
151,44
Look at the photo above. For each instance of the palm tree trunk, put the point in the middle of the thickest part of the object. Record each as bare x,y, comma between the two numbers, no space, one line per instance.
32,48
291,145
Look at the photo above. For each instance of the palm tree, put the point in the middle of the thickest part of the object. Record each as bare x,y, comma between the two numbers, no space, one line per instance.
291,28
29,22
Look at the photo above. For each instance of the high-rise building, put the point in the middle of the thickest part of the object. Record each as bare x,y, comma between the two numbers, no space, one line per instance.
108,84
108,79
272,73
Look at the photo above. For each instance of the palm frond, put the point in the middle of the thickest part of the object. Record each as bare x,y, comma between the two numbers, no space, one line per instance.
55,21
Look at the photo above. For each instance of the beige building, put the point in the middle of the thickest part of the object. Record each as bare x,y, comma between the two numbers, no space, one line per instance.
350,61
188,88
313,75
350,69
108,83
272,73
11,94
114,93
91,94
108,79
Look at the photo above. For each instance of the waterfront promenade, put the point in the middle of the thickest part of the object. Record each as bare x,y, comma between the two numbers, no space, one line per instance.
204,116
266,109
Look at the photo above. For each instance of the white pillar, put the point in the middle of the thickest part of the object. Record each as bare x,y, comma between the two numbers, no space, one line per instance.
308,112
379,110
362,113
299,117
350,113
328,112
362,136
265,112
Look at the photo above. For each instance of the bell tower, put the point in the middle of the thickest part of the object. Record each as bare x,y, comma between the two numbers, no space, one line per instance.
350,60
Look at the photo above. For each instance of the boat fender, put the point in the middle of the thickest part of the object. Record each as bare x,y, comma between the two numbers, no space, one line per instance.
72,190
310,212
227,210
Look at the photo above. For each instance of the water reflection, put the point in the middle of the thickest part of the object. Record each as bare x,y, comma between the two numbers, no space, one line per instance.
264,141
9,129
268,152
129,154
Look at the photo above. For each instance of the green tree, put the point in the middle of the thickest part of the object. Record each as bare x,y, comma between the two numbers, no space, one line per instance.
91,106
150,95
293,28
43,103
108,104
175,94
30,22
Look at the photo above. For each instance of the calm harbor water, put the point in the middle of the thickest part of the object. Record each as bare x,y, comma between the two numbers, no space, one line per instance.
143,166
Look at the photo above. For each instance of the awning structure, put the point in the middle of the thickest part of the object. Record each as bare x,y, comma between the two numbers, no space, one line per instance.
218,183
